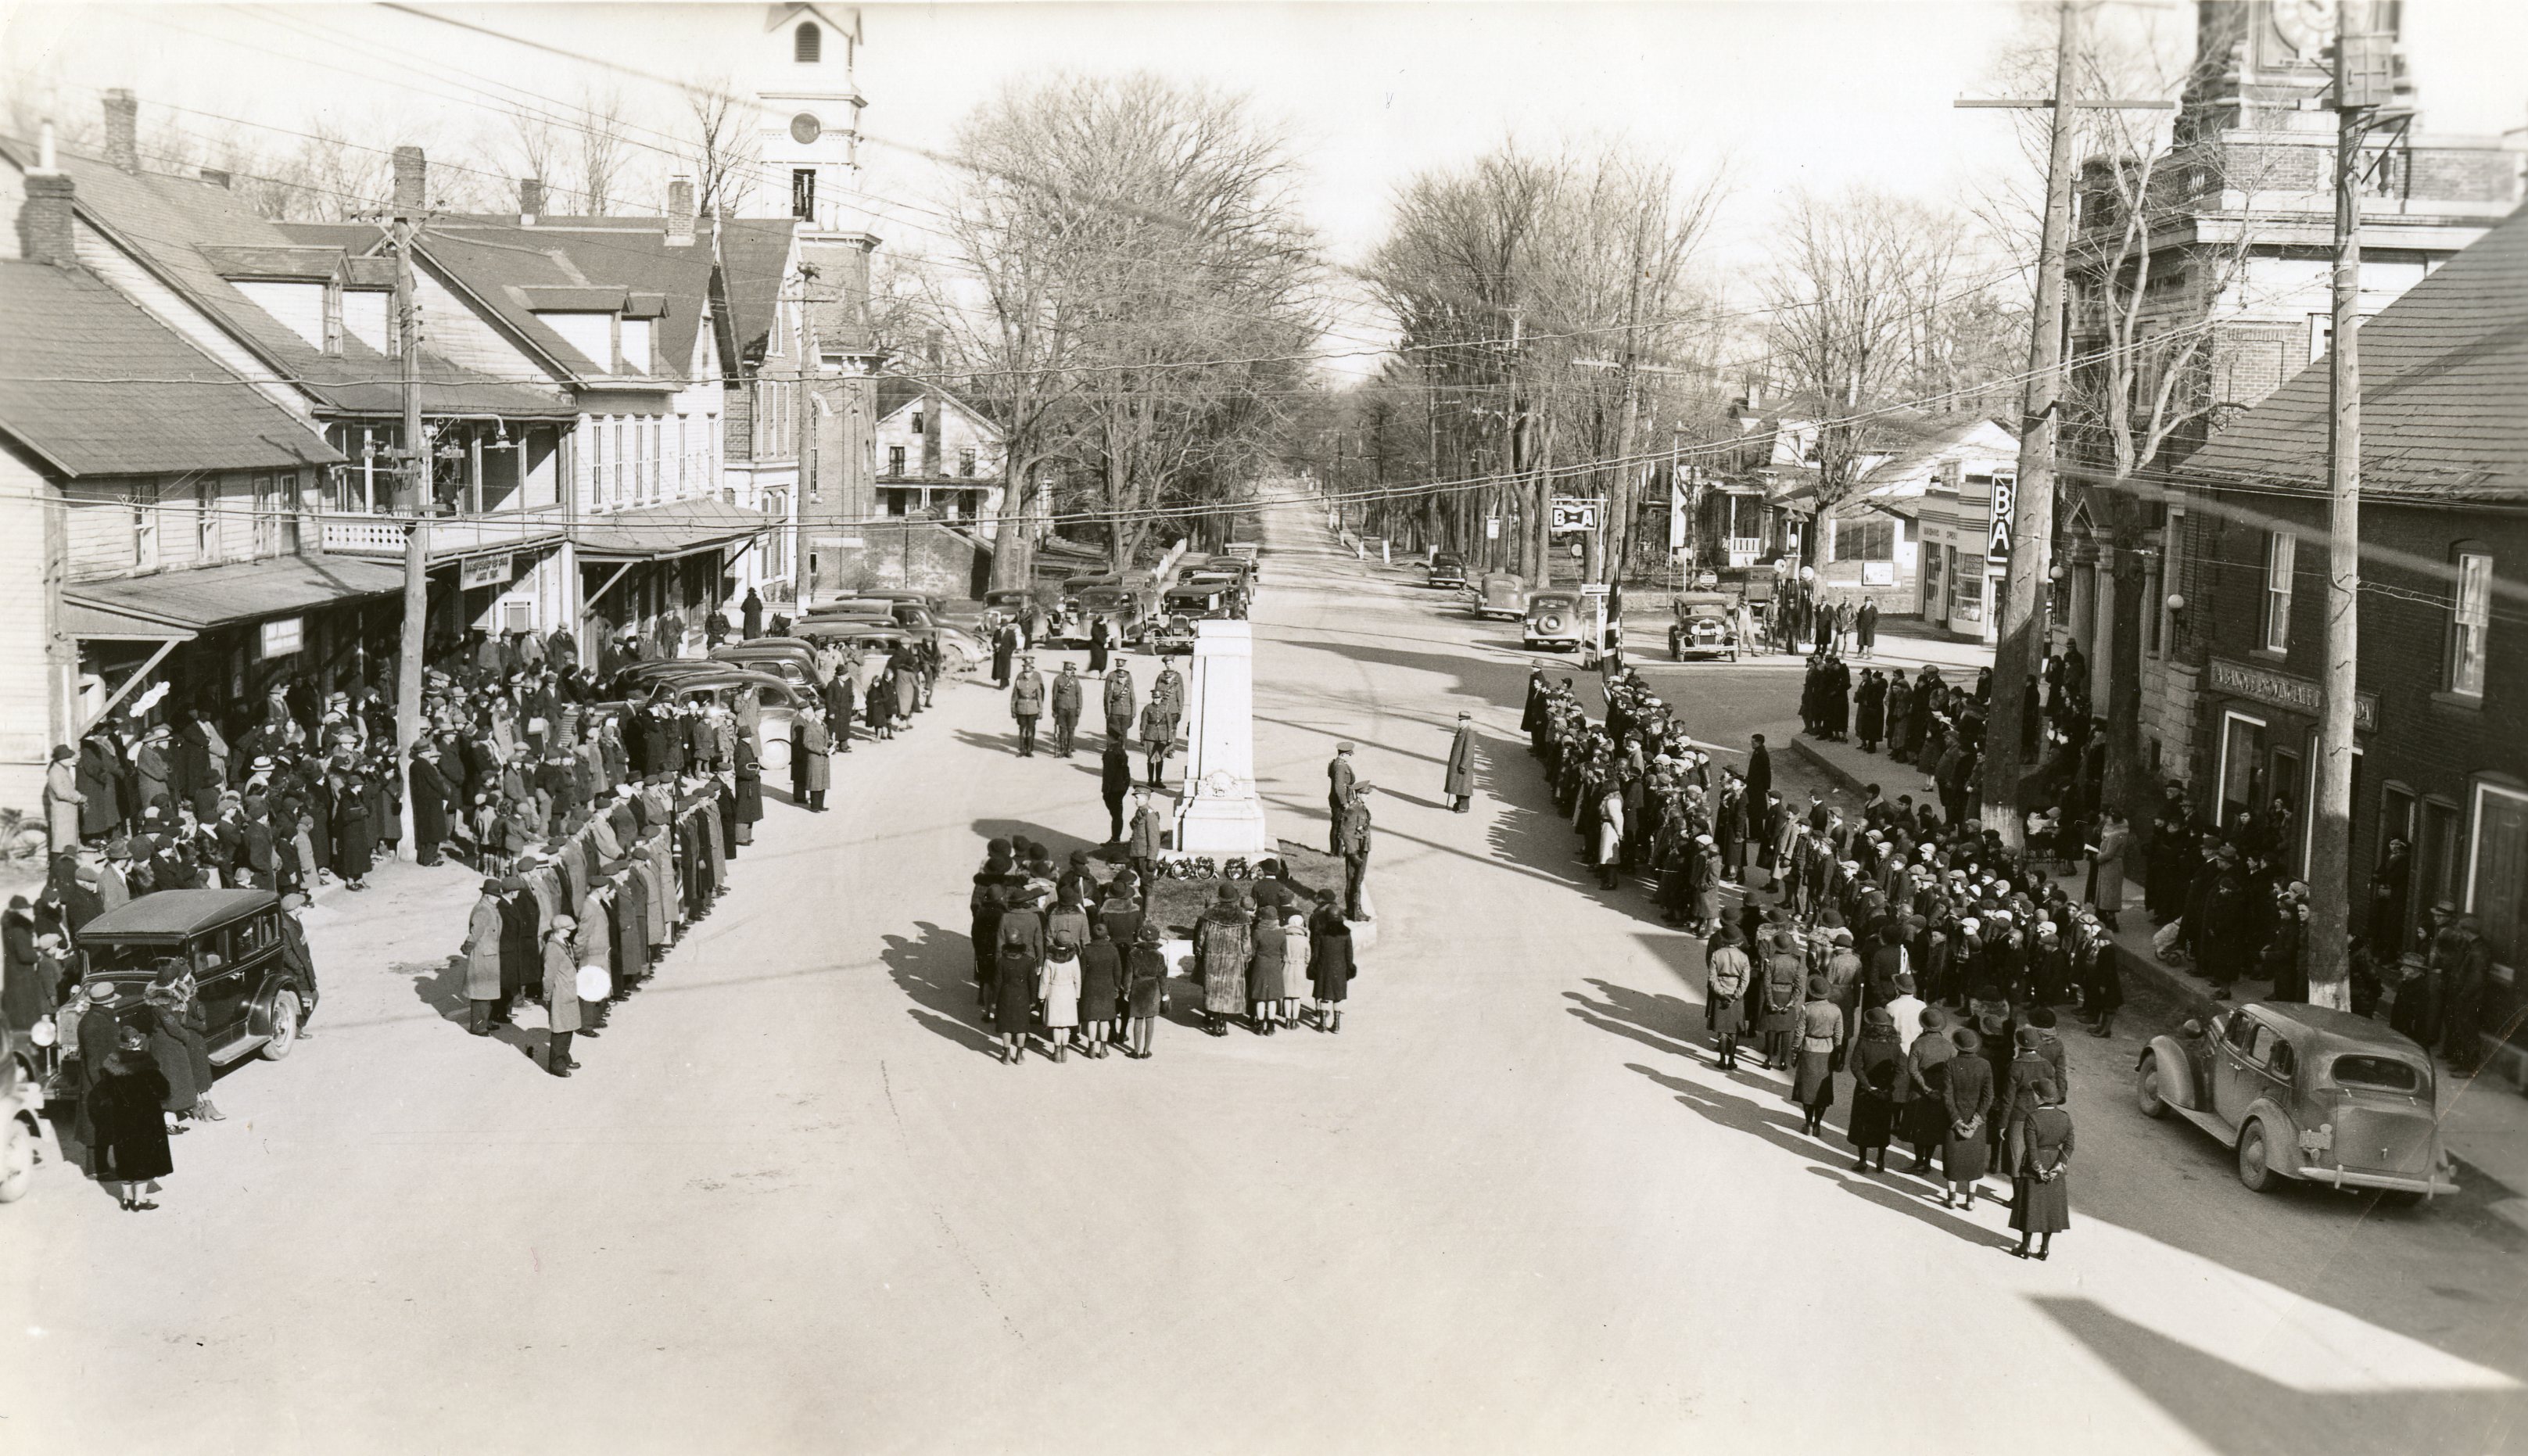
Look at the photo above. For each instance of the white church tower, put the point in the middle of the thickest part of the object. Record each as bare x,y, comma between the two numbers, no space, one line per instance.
810,115
809,140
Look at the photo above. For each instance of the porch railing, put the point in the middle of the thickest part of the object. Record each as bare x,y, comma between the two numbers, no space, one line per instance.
359,534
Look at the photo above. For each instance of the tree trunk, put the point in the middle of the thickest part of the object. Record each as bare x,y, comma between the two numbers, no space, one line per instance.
1012,552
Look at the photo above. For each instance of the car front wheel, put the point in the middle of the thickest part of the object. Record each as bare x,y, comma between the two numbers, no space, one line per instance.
285,1016
2255,1159
2147,1089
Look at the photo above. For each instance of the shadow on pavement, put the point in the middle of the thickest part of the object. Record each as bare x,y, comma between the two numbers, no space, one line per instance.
936,972
441,987
2238,1411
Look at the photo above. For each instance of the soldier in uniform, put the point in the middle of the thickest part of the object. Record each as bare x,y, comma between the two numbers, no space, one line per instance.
1123,703
1355,850
1340,779
1027,704
1066,709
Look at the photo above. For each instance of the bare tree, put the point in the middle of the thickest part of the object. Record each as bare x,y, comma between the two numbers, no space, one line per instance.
536,149
720,147
604,155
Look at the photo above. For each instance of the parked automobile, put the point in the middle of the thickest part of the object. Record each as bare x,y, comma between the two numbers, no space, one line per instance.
1173,636
1125,612
1706,626
792,658
1203,596
1499,593
931,600
1553,620
2304,1092
1447,569
233,943
861,608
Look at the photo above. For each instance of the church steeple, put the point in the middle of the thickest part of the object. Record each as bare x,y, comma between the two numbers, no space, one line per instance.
811,110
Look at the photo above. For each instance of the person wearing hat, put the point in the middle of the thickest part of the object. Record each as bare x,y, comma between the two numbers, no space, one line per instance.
1066,707
1355,845
2040,1203
1057,991
1145,980
1966,1099
1778,982
481,952
1725,977
560,983
62,800
1881,1083
127,1130
1224,950
1340,778
1820,1044
1159,722
1460,782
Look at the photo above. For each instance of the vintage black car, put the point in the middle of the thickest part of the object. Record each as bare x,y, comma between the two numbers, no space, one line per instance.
255,990
1704,626
1447,569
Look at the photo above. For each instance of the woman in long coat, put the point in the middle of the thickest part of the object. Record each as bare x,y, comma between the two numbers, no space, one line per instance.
1145,988
908,690
62,800
1821,1036
174,1060
1014,986
355,838
750,793
1057,991
1223,946
1101,989
1967,1103
100,771
1267,973
1879,1086
121,1108
1330,969
2040,1204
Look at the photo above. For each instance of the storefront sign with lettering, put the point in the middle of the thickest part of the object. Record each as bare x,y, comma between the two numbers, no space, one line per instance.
2284,691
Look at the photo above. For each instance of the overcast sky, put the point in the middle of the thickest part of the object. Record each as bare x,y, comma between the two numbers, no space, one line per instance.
1789,94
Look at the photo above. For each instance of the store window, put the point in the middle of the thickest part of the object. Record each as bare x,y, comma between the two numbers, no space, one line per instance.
2282,551
206,520
1861,539
2470,622
144,525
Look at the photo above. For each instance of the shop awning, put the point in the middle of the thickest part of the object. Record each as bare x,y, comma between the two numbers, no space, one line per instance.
241,591
662,533
96,624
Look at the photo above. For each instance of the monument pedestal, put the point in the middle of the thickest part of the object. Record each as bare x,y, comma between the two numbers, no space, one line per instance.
1221,814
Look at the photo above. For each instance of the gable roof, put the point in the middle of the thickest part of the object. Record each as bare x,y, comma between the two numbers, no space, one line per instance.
753,259
2444,393
188,231
508,265
93,384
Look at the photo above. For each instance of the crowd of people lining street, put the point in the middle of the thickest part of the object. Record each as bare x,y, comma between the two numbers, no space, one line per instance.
600,818
1904,947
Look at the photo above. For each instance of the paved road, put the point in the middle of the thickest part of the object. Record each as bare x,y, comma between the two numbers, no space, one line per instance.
792,1203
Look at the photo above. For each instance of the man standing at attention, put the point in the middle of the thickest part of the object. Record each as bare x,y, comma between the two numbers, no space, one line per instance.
1027,704
1066,709
1114,781
1340,779
1355,850
1462,765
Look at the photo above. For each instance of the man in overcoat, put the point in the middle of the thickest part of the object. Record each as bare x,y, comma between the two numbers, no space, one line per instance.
482,955
1460,784
1355,850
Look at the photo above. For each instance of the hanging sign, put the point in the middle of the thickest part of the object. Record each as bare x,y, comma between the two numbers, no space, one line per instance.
1491,528
476,572
2005,502
1573,513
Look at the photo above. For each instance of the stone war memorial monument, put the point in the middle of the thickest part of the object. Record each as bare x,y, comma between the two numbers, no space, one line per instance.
1220,814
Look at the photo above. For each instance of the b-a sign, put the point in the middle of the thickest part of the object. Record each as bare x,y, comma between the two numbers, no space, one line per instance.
2005,502
1572,513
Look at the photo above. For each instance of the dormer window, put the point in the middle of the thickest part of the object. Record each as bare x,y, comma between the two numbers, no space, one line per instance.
808,44
333,319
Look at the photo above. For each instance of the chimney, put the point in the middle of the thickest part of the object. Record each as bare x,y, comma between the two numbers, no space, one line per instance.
44,216
411,183
930,400
680,211
217,176
123,129
531,200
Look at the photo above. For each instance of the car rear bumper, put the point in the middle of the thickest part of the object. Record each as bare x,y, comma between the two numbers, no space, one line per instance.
2396,1182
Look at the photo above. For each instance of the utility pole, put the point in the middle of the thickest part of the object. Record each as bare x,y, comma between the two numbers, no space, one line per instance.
410,197
1534,543
2021,612
2364,80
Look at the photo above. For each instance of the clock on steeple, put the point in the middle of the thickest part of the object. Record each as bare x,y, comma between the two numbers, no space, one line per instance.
811,113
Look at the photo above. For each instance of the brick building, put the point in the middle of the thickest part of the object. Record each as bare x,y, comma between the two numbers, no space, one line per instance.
2443,617
2236,241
